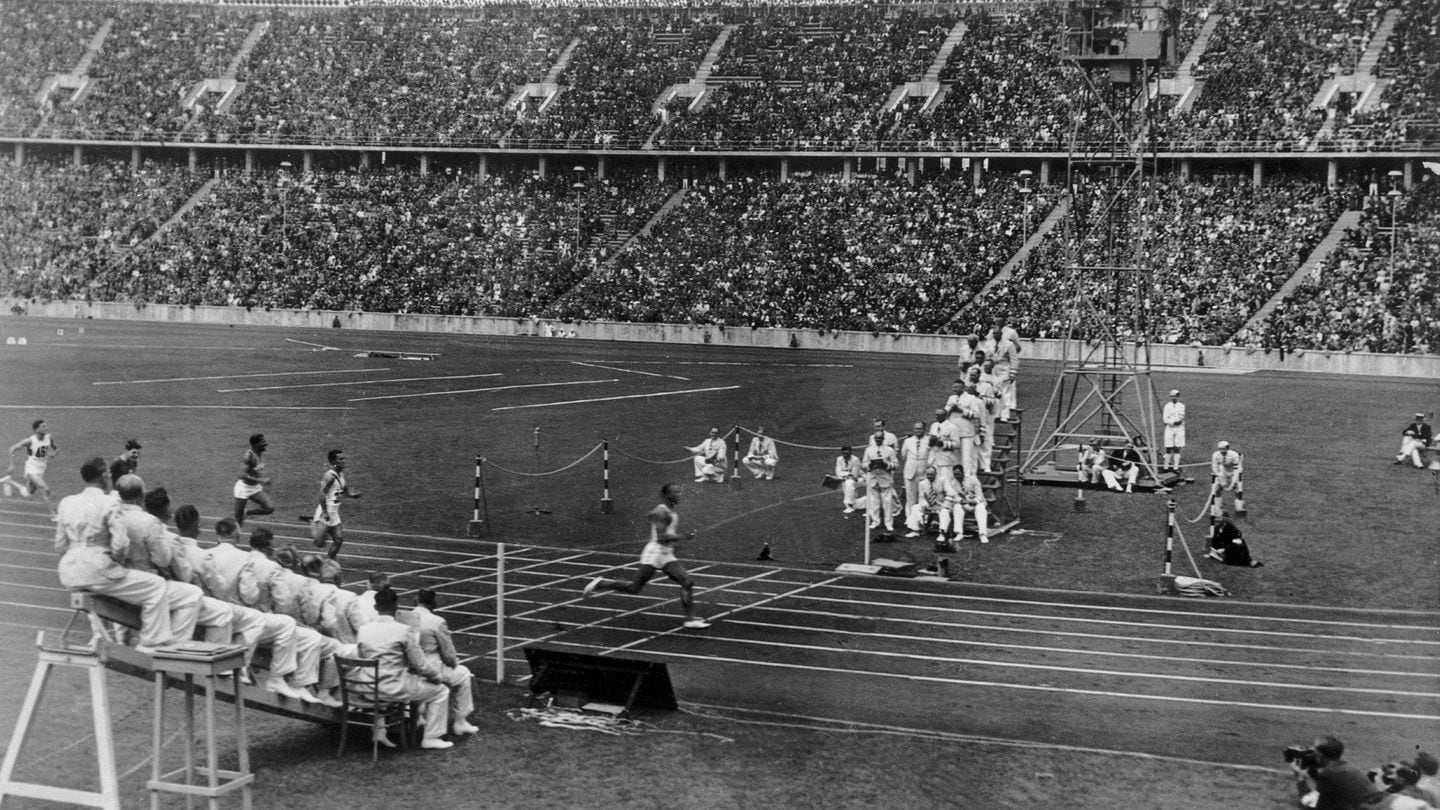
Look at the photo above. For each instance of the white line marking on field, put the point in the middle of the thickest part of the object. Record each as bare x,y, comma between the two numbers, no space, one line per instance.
243,376
730,612
613,399
320,346
356,382
1227,703
728,363
630,370
178,407
481,390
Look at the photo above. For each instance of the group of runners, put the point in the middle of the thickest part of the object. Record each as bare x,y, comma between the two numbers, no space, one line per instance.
251,497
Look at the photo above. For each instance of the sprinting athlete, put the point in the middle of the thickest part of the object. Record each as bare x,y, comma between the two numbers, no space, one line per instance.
252,481
39,448
325,526
659,555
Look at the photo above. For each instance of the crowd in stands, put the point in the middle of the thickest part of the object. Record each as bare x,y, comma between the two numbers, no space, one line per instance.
878,254
1224,250
875,255
1364,297
613,78
787,77
818,82
386,241
62,226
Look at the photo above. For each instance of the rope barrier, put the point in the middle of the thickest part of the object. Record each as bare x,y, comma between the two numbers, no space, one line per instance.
650,461
572,464
835,448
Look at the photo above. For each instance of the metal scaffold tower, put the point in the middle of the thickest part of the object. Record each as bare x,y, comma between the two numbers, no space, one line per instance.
1104,392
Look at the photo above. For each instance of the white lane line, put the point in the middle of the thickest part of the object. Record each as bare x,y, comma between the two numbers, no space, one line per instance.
1226,703
481,390
613,399
647,609
1183,642
35,587
178,407
722,614
1153,611
630,370
355,382
242,376
39,607
320,346
1079,651
509,591
1399,642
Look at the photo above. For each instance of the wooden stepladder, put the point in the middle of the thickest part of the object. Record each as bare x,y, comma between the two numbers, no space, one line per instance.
52,655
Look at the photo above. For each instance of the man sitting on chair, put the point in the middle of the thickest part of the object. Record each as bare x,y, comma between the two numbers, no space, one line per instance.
405,675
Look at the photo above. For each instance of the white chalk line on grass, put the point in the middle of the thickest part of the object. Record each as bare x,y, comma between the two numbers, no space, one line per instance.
833,725
242,376
630,370
320,346
480,390
491,575
355,382
613,399
1227,703
626,361
155,407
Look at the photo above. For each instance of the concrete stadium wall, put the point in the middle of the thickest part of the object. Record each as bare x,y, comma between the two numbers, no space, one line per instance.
1161,356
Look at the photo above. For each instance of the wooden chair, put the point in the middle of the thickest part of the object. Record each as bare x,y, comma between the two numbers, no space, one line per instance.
362,705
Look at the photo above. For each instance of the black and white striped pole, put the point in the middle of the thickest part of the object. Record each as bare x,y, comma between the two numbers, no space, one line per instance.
1167,576
606,505
477,523
735,458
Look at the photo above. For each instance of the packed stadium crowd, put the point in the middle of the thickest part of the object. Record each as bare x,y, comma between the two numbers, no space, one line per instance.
1223,250
797,77
1368,295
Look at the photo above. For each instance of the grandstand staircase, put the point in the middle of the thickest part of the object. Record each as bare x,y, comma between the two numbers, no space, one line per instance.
77,81
225,86
1338,233
1055,217
614,251
695,89
544,93
929,87
1185,87
1363,83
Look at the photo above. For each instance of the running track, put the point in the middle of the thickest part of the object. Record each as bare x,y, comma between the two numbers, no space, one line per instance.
1212,680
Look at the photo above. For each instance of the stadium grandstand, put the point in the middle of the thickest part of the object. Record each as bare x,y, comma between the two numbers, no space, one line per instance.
838,166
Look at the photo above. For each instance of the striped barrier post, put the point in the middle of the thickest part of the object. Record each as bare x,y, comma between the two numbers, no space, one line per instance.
735,458
1167,576
477,524
1240,489
606,505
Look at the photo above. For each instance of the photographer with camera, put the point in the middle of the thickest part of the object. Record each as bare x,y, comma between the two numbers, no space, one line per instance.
1324,780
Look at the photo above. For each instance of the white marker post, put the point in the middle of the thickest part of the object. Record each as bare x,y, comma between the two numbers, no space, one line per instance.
500,612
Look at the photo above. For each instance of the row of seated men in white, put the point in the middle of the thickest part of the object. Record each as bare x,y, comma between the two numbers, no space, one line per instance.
114,542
